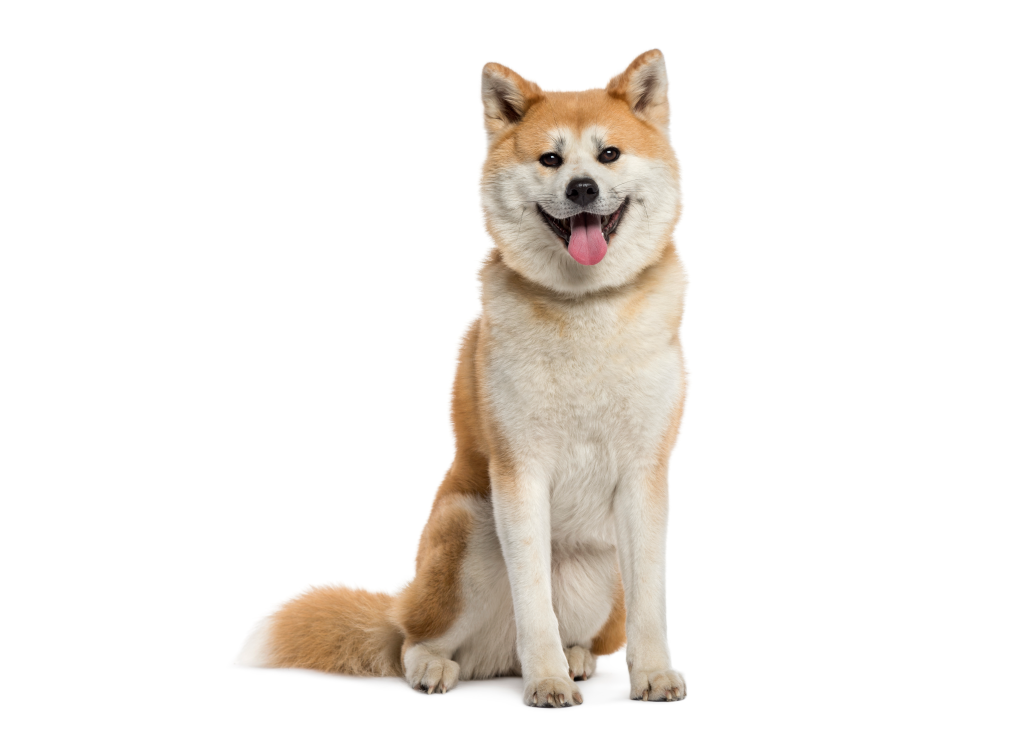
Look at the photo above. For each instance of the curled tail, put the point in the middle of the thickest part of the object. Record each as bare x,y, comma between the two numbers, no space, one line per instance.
333,629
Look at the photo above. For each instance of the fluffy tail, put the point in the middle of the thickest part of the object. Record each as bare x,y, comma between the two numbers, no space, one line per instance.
332,629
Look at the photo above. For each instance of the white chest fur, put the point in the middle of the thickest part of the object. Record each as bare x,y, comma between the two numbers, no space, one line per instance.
583,390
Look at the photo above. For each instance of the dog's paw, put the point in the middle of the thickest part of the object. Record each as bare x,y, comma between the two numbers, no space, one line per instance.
656,685
552,693
433,675
581,662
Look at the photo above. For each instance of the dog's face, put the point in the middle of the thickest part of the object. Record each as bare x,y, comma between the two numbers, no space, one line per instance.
580,189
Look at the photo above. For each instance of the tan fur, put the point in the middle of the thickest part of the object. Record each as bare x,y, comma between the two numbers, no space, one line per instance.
612,636
576,110
637,87
517,95
337,630
623,328
429,605
431,602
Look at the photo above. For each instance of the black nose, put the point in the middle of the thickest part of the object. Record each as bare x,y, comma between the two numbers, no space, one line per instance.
582,190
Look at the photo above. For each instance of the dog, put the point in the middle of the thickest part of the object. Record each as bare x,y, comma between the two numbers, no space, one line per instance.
545,546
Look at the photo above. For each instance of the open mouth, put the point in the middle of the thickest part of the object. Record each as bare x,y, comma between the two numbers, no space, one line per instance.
584,223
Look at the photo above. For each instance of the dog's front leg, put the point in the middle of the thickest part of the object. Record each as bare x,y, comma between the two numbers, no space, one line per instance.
522,513
641,518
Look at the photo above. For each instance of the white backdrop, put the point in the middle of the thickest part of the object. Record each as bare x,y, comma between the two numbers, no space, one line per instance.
224,224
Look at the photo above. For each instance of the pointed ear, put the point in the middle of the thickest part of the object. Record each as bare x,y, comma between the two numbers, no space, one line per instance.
644,86
507,96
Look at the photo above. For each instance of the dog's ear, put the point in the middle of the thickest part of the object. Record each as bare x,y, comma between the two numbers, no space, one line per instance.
644,86
507,96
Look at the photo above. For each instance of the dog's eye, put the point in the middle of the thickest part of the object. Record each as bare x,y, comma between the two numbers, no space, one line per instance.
550,160
609,154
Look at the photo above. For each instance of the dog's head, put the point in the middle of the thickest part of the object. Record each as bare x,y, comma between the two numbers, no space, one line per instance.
580,189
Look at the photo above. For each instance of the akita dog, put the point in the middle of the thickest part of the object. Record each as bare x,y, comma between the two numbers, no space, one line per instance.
546,542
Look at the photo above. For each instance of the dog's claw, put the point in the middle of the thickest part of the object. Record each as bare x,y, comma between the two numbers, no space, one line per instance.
662,685
552,692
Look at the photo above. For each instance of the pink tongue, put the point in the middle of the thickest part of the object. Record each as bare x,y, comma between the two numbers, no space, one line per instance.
586,243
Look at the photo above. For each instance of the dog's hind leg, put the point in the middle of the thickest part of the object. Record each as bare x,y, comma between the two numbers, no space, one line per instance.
429,609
